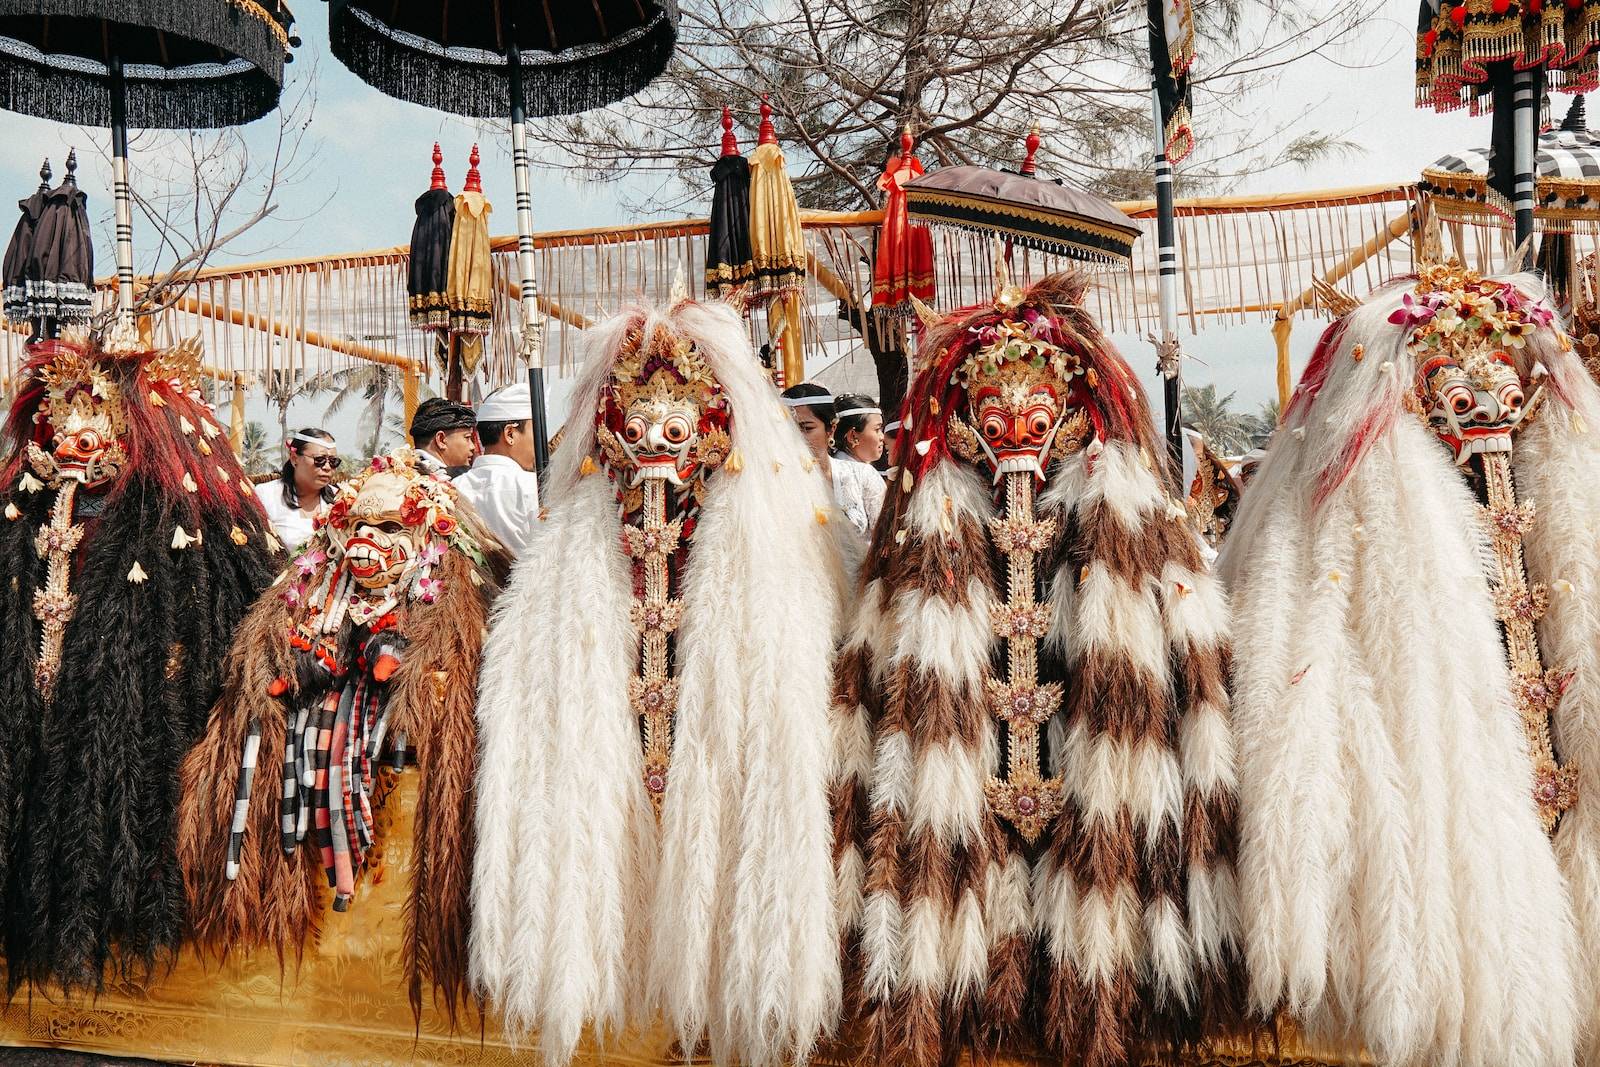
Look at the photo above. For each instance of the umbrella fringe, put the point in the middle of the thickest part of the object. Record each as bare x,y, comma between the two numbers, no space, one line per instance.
473,83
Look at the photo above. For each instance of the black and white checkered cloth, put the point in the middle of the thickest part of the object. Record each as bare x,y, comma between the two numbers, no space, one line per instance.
1572,155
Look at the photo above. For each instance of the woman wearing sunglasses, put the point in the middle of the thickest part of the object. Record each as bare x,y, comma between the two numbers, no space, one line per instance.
304,488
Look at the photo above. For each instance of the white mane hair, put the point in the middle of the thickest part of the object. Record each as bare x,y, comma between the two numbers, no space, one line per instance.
722,917
1397,890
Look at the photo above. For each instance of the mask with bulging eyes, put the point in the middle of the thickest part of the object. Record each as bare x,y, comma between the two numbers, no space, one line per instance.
1017,409
659,433
663,414
1473,404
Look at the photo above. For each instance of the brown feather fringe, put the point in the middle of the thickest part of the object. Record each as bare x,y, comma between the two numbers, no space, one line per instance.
434,701
273,903
277,902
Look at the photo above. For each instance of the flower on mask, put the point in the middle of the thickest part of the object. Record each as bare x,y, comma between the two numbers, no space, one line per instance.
1410,313
1514,334
294,594
1541,314
431,555
308,563
339,513
428,589
444,525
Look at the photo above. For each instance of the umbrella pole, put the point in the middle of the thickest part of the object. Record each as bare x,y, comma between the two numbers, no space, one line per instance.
1168,359
1525,115
532,324
119,184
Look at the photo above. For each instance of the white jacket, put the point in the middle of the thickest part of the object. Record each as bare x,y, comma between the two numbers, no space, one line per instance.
504,495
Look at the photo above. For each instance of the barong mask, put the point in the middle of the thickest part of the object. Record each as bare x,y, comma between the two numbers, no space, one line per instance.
82,410
662,415
388,527
1022,390
1467,385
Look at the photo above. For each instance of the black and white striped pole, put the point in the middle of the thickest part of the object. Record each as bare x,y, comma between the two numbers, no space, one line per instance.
1525,114
1168,356
532,344
119,185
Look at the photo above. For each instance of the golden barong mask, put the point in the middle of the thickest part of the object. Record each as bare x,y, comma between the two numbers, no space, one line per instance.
1467,386
662,415
1020,396
83,409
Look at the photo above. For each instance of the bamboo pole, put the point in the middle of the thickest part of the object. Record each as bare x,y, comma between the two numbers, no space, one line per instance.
1200,205
195,306
1284,324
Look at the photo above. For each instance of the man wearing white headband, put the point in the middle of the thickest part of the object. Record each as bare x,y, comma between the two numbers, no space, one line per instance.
501,485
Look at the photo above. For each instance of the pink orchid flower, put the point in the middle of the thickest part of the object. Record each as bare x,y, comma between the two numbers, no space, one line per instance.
1410,313
431,555
428,589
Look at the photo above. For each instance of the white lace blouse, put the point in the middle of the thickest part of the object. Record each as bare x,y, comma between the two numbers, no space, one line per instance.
858,489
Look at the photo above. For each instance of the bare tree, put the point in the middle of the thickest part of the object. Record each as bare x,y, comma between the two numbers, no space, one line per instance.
198,192
969,77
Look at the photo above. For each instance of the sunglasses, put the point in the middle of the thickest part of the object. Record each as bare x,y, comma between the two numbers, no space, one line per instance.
326,463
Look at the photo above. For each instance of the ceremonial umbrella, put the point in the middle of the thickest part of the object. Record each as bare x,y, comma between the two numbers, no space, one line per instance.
1566,180
728,263
1050,216
508,58
1495,55
162,64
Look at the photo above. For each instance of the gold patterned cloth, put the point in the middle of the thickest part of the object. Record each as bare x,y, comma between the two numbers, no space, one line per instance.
470,290
778,250
346,1004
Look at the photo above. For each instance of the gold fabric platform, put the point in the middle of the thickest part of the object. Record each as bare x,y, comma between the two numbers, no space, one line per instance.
345,1006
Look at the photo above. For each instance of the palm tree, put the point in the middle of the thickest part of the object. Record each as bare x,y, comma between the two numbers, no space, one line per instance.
1227,432
374,384
1263,423
256,455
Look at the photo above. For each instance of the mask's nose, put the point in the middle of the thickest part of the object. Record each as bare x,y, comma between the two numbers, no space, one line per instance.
655,438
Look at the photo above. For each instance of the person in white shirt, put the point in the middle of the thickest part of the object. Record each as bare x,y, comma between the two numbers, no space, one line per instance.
303,488
857,488
501,485
441,432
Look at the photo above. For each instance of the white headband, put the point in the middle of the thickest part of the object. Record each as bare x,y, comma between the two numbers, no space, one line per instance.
307,439
892,427
847,412
805,401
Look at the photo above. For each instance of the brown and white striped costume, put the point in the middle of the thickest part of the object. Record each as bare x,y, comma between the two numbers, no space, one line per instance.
1116,922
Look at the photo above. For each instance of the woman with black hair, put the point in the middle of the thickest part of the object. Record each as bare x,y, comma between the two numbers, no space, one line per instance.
857,488
858,429
303,488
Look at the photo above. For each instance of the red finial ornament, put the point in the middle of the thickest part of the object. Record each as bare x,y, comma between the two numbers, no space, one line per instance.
768,134
474,179
1033,146
905,142
438,168
730,143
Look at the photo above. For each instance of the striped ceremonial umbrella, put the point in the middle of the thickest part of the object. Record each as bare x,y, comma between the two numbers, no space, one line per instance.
154,64
508,59
1566,180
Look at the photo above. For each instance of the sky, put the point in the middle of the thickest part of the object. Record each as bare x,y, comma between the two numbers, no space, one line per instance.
371,160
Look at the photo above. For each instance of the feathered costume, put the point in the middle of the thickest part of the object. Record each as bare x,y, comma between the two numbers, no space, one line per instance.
134,545
1417,616
1034,711
653,821
363,655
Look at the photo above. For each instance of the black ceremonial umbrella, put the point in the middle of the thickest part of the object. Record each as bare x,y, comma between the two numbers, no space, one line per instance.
162,64
508,58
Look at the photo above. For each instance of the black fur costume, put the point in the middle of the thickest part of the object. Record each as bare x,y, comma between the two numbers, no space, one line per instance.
88,773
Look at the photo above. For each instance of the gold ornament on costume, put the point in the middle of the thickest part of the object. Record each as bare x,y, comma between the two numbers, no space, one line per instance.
661,426
1468,391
